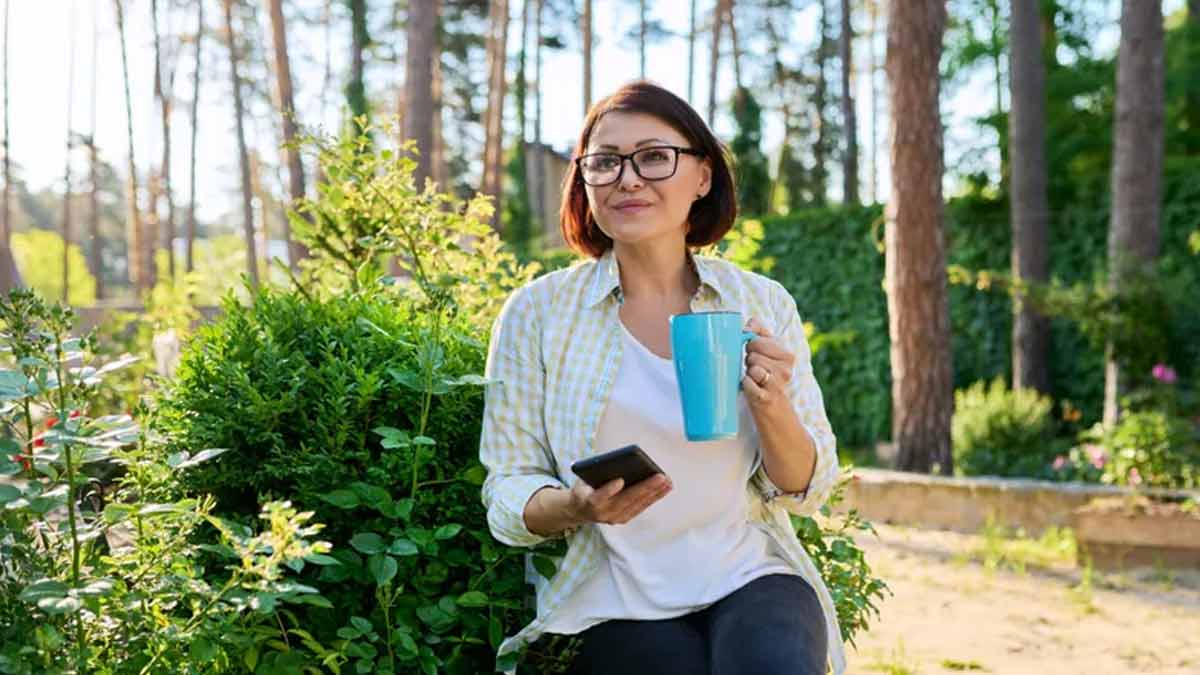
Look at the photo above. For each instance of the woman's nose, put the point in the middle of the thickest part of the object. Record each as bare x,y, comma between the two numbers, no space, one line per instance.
630,180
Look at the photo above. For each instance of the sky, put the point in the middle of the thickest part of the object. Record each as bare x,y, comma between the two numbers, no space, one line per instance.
44,41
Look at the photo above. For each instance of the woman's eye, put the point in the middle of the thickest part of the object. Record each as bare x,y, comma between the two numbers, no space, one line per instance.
603,163
654,156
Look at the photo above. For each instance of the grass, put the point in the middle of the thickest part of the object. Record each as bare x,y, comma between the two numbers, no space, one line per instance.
1082,593
953,664
897,663
1005,549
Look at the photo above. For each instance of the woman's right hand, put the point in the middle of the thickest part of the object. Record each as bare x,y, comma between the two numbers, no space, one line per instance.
611,503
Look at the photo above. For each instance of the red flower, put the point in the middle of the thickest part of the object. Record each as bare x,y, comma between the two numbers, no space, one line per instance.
26,463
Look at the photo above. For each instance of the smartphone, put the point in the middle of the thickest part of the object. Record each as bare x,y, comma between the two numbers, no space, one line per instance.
629,463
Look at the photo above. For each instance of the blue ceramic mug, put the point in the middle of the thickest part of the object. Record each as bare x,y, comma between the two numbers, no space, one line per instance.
707,348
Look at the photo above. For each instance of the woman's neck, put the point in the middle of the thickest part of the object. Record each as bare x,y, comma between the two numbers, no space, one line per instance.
655,271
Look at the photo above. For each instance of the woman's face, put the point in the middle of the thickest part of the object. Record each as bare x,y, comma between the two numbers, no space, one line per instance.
635,210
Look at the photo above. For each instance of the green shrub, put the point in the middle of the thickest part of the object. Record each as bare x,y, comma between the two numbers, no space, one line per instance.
98,568
1153,449
999,432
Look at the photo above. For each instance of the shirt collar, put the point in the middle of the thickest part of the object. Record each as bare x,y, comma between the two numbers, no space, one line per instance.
606,277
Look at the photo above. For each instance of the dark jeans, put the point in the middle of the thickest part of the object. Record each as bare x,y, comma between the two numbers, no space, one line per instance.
771,626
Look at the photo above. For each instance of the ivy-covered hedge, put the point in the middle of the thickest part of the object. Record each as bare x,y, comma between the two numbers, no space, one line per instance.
831,260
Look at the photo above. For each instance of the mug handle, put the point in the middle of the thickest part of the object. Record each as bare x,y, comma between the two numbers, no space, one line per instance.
747,336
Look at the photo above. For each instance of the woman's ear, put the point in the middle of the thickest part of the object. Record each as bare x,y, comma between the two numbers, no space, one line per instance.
705,179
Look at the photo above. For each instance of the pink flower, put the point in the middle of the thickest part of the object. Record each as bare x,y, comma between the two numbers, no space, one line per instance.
1135,477
1097,455
1164,373
1059,462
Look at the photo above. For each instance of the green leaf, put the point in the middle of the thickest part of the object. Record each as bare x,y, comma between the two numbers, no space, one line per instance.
115,513
447,531
202,651
7,466
495,632
423,440
201,457
435,617
250,658
408,646
383,568
8,493
43,588
475,475
322,559
402,547
361,624
545,566
59,605
367,543
96,588
473,599
508,662
343,499
470,379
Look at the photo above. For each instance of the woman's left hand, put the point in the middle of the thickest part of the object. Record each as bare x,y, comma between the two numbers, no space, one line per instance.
768,368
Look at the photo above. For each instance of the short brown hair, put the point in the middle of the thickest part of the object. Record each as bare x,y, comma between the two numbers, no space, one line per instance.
710,217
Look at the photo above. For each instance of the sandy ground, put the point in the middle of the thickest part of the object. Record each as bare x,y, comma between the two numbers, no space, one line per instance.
952,612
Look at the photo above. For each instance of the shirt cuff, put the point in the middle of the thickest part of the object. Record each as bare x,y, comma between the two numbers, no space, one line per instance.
507,515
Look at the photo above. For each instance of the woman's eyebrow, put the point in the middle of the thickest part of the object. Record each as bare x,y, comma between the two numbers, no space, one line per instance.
636,145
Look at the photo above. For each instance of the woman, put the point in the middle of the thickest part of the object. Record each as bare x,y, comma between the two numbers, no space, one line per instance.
697,570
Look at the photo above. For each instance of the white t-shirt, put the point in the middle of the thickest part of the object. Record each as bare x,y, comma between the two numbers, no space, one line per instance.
694,546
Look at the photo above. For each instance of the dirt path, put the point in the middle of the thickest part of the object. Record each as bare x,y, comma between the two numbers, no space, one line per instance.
951,613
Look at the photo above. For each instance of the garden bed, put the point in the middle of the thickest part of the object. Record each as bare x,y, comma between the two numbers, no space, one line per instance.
1117,533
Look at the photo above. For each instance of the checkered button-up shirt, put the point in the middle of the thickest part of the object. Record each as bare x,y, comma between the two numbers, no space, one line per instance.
554,353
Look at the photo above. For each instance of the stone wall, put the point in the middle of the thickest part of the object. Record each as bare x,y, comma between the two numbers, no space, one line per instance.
964,504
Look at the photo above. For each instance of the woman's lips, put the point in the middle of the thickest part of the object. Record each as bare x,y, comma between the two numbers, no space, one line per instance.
632,207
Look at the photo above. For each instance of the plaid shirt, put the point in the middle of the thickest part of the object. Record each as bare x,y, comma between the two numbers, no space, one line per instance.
554,353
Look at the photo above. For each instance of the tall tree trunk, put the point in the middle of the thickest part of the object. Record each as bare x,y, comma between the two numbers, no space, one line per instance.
66,221
441,172
263,197
493,151
1133,236
418,83
539,165
96,248
356,90
873,9
849,116
735,46
163,95
1030,208
139,270
287,110
9,277
718,19
190,246
915,264
821,103
691,90
243,154
997,56
642,38
586,30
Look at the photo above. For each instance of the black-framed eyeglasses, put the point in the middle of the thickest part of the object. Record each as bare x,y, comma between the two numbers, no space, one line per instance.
658,162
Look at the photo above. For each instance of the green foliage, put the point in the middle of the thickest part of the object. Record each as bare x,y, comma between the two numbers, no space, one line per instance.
99,572
1000,432
842,564
750,164
1154,449
829,261
39,257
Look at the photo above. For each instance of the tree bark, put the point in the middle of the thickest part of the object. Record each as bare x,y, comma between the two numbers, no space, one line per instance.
441,172
735,46
96,249
820,102
915,263
586,30
1030,208
66,221
718,20
189,248
642,38
9,278
493,150
287,111
418,84
539,166
849,116
874,71
1133,234
356,91
243,153
139,270
691,48
162,95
